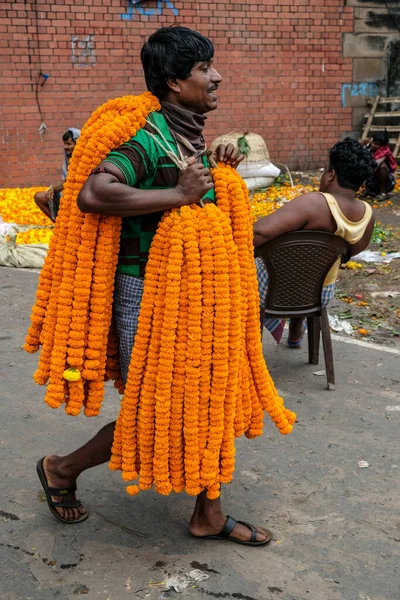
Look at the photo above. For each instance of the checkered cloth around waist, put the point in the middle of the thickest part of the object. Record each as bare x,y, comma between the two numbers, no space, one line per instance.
127,298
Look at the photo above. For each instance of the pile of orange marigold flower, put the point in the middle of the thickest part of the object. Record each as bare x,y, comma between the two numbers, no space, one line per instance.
197,377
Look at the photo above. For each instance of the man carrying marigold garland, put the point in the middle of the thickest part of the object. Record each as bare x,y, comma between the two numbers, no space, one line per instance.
139,181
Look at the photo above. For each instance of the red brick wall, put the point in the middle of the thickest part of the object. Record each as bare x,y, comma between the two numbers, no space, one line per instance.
281,61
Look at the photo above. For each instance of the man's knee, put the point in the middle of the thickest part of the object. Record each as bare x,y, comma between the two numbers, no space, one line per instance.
39,199
382,169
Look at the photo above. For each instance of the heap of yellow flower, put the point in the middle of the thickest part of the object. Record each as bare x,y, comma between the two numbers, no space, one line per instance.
17,206
197,377
35,236
352,265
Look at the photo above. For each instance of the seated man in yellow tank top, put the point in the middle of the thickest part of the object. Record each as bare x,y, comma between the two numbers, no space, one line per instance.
334,208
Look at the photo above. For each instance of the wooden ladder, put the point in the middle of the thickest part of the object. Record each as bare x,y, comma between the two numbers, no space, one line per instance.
374,115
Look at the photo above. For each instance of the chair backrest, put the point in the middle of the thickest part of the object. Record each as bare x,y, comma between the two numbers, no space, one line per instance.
297,264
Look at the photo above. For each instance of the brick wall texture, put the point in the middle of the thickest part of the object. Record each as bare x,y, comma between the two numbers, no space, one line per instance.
281,61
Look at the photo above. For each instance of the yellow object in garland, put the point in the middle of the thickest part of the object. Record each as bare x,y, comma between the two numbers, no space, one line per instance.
71,374
197,377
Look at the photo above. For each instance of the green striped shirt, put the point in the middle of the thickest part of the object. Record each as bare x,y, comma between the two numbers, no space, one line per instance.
145,165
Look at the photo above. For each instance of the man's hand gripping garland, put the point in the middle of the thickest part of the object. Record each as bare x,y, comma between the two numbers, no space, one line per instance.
197,377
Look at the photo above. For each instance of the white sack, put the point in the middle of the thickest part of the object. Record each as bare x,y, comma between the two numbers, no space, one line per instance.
248,169
258,182
20,255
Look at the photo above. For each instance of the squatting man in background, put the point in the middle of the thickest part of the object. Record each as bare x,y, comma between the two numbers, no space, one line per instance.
383,180
49,201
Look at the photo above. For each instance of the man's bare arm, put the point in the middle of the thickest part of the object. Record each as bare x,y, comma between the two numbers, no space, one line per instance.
365,240
292,216
42,202
107,193
59,187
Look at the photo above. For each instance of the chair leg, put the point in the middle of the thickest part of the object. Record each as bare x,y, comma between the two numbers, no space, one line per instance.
314,329
328,353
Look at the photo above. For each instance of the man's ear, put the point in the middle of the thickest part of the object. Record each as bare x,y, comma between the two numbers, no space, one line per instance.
174,85
331,175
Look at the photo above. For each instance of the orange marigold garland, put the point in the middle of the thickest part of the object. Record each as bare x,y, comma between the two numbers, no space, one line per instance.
176,450
190,234
233,402
150,397
230,185
220,361
208,292
167,349
80,307
113,366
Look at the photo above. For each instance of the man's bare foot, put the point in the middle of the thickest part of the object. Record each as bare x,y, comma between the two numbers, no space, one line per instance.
209,520
55,477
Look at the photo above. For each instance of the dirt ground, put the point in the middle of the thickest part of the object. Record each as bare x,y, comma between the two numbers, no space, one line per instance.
363,294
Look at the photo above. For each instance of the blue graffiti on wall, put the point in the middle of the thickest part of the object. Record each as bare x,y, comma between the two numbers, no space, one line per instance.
161,5
367,89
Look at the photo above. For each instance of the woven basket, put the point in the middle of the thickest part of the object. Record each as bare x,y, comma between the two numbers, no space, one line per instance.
258,148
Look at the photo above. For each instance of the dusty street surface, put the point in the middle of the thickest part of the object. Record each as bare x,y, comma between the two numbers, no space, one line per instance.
336,525
372,293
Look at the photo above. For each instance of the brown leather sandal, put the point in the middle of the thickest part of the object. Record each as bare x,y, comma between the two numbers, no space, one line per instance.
227,529
51,491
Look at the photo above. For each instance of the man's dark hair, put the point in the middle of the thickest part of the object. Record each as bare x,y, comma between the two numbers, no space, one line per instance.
381,137
352,162
170,53
68,135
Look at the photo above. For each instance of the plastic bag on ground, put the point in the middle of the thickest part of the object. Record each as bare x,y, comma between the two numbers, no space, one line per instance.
376,256
337,324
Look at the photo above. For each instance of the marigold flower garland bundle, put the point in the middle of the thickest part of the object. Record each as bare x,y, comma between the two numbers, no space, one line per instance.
71,318
197,377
